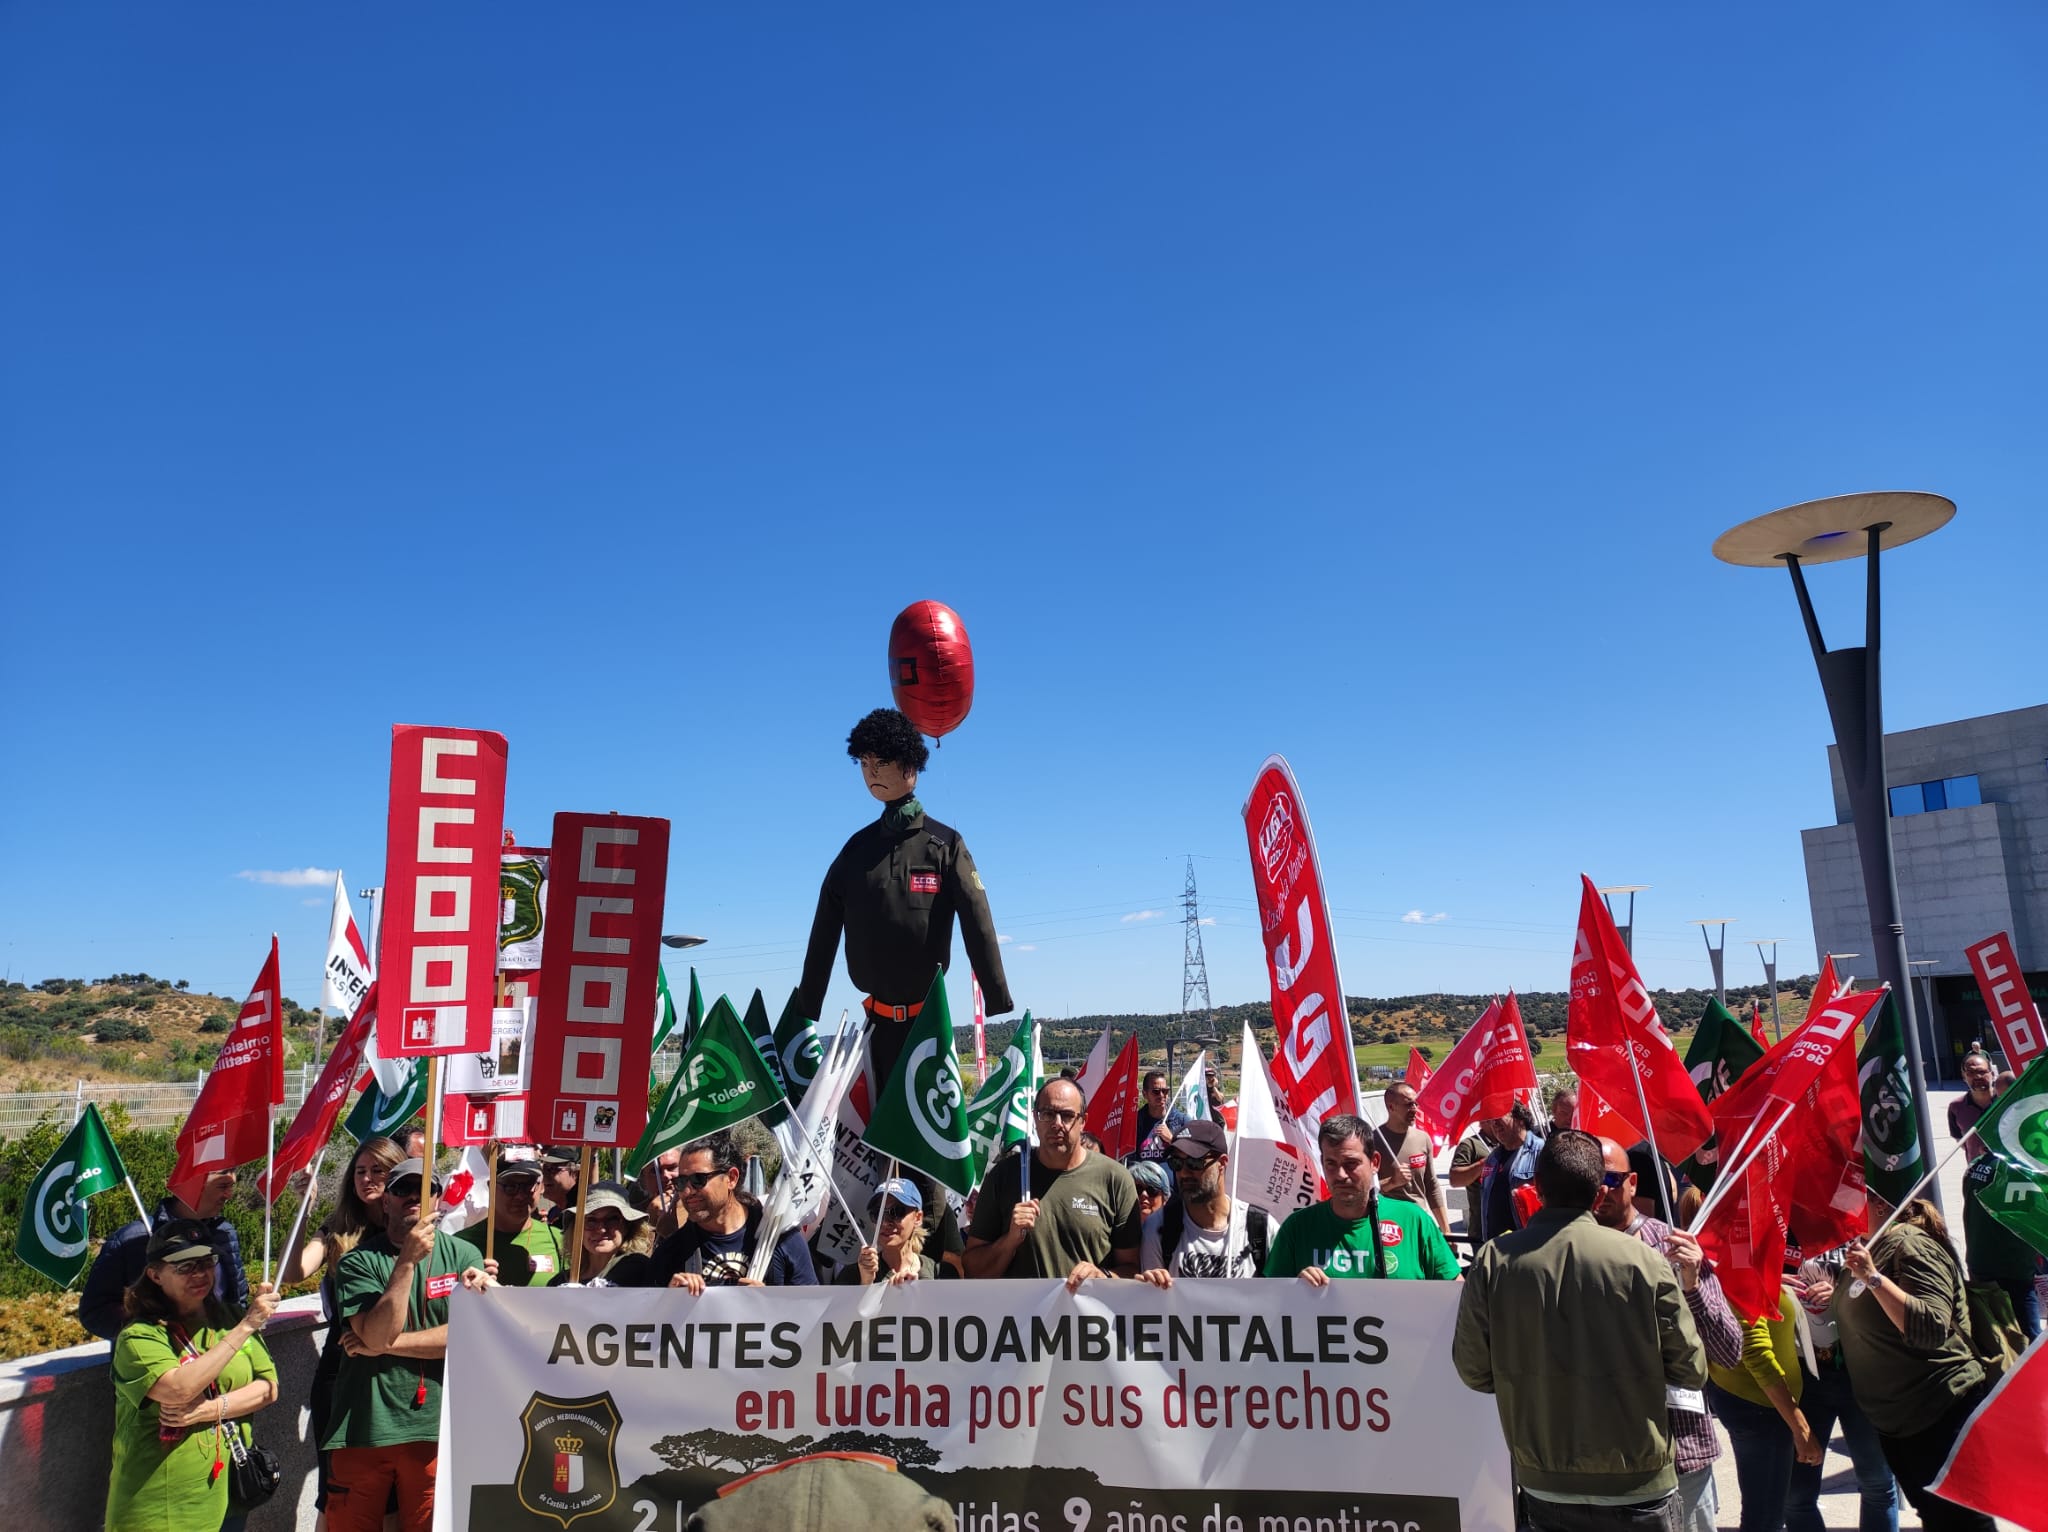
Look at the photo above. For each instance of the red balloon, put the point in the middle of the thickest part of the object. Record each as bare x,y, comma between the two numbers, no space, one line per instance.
931,667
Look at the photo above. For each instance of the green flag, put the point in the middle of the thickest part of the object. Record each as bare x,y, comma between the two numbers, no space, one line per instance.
1891,1134
376,1115
797,1049
665,1018
2015,1131
721,1080
2016,1199
921,1118
53,1233
1721,1050
1000,1114
664,1008
763,1034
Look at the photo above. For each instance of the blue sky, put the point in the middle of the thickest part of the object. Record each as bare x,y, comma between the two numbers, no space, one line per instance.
1358,384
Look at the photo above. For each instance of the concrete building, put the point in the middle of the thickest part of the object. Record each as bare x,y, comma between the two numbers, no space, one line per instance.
1969,804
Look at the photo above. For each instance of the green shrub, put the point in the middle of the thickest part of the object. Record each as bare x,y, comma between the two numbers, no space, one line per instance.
214,1023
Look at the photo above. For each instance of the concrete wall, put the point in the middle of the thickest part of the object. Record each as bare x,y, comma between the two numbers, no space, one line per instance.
57,1430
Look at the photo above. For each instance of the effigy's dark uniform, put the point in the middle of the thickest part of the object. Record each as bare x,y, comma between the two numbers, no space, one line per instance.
895,889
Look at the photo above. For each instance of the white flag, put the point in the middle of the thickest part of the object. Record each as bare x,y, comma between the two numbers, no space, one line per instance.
467,1197
1274,1163
346,978
1097,1066
1192,1099
803,1191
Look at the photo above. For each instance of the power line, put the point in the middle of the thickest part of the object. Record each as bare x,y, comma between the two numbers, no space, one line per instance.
1194,967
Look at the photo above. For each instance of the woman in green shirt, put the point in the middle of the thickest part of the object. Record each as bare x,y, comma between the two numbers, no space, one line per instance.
184,1369
1758,1406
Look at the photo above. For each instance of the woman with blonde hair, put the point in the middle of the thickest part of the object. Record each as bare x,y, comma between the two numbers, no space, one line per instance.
616,1237
897,1255
357,1212
1904,1326
186,1369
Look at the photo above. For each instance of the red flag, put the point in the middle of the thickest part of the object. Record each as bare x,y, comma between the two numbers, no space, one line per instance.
230,1122
1990,1468
1314,1064
1756,1024
1479,1077
1110,1115
1417,1076
2006,1000
1601,1120
314,1124
1615,1043
1825,988
1745,1237
980,1030
1813,1074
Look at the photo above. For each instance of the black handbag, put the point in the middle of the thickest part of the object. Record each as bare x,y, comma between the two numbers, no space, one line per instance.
253,1475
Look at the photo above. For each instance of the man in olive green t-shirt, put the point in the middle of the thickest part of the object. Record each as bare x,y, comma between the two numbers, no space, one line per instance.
1081,1218
530,1252
392,1293
1358,1233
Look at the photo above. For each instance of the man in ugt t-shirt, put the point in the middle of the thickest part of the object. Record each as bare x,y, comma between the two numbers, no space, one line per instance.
392,1291
1081,1217
1358,1233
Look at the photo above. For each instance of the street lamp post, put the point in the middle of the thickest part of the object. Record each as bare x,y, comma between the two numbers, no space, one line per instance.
1851,679
1717,956
1628,929
1927,999
1770,960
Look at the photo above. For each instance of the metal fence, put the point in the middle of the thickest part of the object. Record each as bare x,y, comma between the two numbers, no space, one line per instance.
147,1106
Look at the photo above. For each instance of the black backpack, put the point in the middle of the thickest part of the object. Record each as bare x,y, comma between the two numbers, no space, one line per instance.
1173,1224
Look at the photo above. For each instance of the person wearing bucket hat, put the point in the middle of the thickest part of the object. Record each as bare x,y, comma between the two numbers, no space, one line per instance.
394,1289
897,1255
184,1371
616,1239
530,1251
824,1492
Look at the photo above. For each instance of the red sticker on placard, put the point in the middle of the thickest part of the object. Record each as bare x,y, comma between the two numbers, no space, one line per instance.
441,1286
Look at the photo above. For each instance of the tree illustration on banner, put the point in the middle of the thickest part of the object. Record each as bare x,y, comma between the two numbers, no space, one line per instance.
922,1116
721,1081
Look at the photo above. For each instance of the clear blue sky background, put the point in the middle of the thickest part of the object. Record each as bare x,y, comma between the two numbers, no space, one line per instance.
1357,383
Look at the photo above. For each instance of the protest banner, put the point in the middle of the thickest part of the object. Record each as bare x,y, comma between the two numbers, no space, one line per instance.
593,1030
2014,1015
438,944
1314,1063
503,1067
468,1120
522,907
1225,1406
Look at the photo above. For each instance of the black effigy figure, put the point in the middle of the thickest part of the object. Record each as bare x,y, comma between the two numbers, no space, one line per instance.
895,888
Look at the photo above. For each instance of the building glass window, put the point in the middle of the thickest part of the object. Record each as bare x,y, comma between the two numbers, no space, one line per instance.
1906,800
1962,791
1935,794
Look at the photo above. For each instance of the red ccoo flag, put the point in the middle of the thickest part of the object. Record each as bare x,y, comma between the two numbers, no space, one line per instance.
1990,1468
1481,1076
1745,1236
1110,1115
1415,1077
1826,989
1615,1043
230,1122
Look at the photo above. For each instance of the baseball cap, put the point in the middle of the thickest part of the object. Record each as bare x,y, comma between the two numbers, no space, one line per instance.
1200,1139
183,1239
552,1158
609,1194
409,1170
518,1170
899,1191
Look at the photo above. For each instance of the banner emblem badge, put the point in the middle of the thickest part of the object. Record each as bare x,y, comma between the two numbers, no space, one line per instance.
569,1466
936,1098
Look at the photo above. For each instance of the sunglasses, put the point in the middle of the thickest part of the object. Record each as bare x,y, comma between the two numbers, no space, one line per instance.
895,1212
1054,1114
1613,1179
194,1266
698,1180
1157,1090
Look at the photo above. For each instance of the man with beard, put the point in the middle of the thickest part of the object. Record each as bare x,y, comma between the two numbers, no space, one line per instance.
1192,1235
722,1227
1079,1220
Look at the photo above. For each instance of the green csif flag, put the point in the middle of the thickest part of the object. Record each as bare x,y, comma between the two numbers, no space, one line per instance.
721,1081
665,1017
921,1118
1891,1134
376,1115
1000,1114
1721,1050
2014,1132
797,1049
53,1235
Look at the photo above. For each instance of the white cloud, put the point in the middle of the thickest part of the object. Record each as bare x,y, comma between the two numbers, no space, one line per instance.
1004,941
290,877
1417,918
1206,920
1027,947
1137,915
312,904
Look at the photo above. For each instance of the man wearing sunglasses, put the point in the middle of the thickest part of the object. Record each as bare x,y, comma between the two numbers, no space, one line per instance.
1080,1218
1159,1122
715,1245
1194,1235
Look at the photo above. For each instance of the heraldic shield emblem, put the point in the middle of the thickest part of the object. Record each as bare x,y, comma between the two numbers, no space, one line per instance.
570,1466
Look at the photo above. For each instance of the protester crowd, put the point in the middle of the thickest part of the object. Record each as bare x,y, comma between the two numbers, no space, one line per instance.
1599,1327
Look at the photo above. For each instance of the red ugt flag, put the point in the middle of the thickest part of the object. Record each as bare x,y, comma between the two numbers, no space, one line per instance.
1614,1041
1481,1076
1110,1117
314,1125
230,1122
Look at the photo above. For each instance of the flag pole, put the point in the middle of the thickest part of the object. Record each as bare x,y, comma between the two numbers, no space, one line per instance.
1916,1188
428,1201
284,1259
877,1240
1650,1132
491,1208
582,1205
270,1191
140,1211
1735,1172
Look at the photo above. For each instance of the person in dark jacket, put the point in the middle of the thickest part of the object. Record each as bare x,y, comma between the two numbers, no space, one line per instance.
895,889
126,1252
